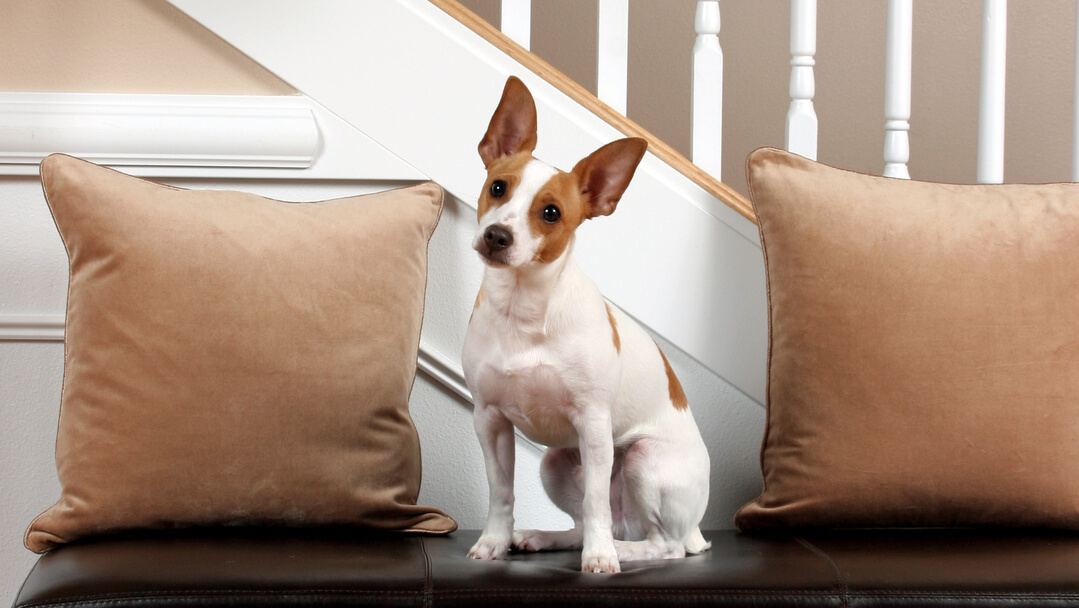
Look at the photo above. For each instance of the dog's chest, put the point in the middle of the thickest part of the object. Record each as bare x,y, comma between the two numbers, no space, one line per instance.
529,388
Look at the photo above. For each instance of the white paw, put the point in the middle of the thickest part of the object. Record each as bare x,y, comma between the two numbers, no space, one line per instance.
600,561
489,547
547,540
534,540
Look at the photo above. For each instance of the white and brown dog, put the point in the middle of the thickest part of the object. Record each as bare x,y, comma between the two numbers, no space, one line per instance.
546,353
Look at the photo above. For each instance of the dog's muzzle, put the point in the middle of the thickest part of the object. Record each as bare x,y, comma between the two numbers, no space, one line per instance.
496,242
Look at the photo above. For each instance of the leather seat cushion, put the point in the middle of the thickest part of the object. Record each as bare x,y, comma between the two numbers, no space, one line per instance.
331,567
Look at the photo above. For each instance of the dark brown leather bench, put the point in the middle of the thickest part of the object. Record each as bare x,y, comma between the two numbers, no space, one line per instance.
341,567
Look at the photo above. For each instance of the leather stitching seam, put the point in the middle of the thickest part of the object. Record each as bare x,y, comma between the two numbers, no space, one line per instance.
844,597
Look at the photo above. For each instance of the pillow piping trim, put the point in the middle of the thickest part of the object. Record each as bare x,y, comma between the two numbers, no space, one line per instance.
768,298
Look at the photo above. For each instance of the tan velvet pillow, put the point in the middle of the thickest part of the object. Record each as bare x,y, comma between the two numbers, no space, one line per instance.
231,359
923,365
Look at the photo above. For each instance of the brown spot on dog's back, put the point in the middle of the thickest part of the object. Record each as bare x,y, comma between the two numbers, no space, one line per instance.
674,387
614,329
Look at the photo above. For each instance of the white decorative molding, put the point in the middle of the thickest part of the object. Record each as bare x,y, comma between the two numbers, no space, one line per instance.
171,130
192,136
446,372
31,328
50,328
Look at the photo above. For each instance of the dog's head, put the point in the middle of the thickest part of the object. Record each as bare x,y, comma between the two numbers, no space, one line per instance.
528,210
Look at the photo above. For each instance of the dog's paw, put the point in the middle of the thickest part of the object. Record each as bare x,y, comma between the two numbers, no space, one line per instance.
489,547
600,561
529,540
543,540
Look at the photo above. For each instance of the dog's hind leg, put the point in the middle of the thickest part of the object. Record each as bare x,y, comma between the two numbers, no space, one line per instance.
657,548
662,509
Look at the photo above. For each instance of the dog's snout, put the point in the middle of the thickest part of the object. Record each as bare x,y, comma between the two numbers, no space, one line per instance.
497,238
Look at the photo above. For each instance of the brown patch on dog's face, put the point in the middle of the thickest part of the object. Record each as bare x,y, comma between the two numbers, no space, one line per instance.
507,170
614,329
674,387
556,212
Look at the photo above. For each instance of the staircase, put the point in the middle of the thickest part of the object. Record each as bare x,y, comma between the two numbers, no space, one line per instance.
681,254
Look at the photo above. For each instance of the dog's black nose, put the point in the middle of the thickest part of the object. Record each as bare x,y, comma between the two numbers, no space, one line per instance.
497,238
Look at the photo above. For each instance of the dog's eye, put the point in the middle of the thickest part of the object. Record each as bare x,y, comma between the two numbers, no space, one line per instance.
498,188
551,214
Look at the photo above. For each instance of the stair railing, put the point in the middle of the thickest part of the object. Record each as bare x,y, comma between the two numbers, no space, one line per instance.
801,123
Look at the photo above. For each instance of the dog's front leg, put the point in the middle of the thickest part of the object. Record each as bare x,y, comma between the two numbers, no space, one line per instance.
597,459
495,432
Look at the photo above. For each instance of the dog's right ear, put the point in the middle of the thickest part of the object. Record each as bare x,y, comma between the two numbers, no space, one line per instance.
513,126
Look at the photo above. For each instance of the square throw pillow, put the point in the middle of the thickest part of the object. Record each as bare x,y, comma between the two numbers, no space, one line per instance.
923,365
231,359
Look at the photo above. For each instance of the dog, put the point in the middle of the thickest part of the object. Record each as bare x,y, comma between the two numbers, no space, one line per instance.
545,353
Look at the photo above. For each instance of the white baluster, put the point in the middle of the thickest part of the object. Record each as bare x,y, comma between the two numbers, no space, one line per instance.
991,106
897,89
802,118
517,21
1075,103
613,53
706,132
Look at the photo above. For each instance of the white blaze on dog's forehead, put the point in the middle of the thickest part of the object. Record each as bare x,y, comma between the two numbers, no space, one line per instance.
533,176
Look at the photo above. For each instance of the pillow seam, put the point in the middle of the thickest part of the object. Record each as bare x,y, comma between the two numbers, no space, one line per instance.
768,298
42,170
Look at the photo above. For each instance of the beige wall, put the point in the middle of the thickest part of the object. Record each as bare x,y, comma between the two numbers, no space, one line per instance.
148,46
849,72
120,46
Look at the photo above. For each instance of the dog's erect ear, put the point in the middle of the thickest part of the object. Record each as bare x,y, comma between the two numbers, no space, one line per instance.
605,173
513,126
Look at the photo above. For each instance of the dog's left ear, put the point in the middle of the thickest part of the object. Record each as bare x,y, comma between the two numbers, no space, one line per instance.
604,174
513,126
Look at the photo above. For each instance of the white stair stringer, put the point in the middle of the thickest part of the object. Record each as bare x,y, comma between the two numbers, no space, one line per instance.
423,86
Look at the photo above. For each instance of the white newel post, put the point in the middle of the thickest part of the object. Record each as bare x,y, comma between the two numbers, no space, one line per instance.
897,89
517,21
991,100
706,131
1075,103
802,118
612,59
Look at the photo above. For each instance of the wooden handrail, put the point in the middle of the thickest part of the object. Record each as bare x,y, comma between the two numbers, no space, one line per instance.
544,70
